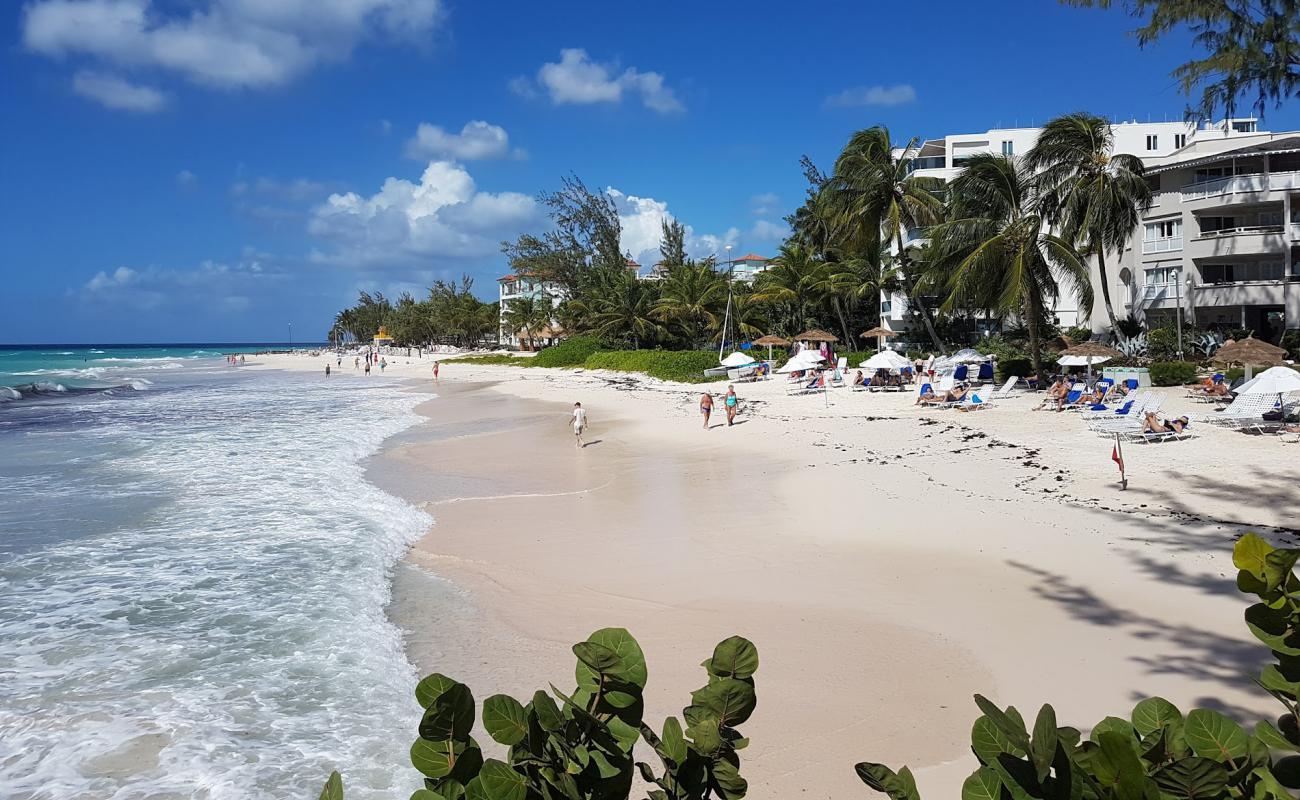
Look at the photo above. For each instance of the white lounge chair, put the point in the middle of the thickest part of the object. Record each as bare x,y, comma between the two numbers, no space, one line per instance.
1245,412
1006,390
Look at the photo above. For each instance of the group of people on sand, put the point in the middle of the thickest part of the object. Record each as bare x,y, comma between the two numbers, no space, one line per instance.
235,360
730,403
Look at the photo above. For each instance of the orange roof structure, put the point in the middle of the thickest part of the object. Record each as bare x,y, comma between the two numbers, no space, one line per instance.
752,257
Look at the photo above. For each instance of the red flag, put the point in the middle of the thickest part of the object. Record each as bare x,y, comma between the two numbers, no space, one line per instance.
1117,457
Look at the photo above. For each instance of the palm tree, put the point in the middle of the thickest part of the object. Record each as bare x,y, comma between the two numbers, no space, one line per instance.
621,306
794,280
875,191
691,296
529,314
996,251
1095,197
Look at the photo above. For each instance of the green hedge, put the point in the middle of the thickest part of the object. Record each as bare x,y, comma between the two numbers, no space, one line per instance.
686,366
1173,373
571,352
497,358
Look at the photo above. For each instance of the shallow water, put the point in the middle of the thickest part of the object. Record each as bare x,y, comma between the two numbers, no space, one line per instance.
193,578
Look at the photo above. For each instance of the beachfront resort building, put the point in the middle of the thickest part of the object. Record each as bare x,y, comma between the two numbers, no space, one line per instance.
747,267
1221,242
514,287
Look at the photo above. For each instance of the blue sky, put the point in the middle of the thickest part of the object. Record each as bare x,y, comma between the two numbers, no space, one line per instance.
218,169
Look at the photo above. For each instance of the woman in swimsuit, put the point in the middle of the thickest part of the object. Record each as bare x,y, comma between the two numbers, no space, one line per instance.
732,404
1152,424
706,408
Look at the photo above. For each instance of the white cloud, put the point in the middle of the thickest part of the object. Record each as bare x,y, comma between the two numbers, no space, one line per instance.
186,179
576,79
216,285
477,140
113,92
763,204
642,219
444,216
229,44
897,95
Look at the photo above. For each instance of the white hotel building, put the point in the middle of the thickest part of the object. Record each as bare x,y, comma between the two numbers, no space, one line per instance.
1222,238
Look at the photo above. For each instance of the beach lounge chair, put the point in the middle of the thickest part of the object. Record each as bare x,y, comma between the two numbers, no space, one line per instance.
1245,412
971,402
960,373
1147,437
985,374
1135,402
1006,390
1072,397
1132,421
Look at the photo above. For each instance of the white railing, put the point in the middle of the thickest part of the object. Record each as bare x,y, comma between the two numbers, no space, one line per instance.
1162,245
1240,184
1154,291
1240,230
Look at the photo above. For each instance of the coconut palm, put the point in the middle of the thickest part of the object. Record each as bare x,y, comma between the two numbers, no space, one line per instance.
876,193
621,306
996,252
795,281
692,296
1095,197
528,315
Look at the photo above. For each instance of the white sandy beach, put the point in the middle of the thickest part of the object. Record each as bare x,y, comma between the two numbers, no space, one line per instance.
888,561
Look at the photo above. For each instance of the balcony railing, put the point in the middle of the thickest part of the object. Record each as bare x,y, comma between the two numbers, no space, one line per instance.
1295,231
1240,230
1162,245
1241,184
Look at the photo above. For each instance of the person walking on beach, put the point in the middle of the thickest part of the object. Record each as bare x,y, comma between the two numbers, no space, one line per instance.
731,404
706,408
435,372
383,362
327,370
579,423
367,366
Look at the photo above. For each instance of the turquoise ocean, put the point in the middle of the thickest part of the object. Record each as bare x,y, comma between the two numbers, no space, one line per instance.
194,573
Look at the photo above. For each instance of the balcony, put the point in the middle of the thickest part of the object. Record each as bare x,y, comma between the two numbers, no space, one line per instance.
1162,245
1254,240
1240,184
1243,293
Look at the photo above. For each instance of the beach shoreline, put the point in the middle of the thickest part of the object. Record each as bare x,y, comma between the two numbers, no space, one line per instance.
887,561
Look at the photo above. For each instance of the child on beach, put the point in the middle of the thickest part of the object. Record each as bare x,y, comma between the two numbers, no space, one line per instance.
579,422
706,408
383,362
435,372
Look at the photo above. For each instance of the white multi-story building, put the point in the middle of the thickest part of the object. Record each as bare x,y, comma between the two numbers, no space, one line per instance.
747,267
513,287
1228,181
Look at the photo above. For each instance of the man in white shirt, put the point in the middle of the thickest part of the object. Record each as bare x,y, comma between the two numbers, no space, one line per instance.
579,422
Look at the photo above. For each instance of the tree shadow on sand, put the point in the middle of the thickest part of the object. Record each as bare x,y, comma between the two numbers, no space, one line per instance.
1173,649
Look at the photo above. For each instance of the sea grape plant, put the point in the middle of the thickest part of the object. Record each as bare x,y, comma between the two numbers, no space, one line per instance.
579,745
1157,753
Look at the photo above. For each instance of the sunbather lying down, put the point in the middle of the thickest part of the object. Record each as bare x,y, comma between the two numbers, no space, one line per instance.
951,396
1153,424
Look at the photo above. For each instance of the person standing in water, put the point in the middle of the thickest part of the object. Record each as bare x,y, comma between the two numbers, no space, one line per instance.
579,423
706,408
383,362
327,370
731,403
435,372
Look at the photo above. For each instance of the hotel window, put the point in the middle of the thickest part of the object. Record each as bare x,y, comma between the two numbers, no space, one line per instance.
1162,276
1008,148
1163,236
1180,140
1152,141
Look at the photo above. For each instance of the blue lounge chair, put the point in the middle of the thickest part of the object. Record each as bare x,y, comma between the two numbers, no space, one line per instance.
960,373
985,373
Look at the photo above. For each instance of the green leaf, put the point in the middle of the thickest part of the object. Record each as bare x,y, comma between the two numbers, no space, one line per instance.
898,785
1114,725
473,791
1214,736
726,777
735,657
1272,627
633,668
1193,778
598,657
1278,565
1117,765
1011,726
428,794
548,713
1271,736
705,737
989,742
505,719
1249,554
428,689
982,784
730,700
1154,713
1268,787
673,743
434,759
500,781
451,716
1042,748
333,787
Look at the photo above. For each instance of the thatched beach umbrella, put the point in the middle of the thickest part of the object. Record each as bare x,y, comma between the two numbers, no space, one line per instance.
879,332
770,341
1250,352
817,335
1090,352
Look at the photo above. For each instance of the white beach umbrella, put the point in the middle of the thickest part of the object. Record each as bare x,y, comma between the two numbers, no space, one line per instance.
886,359
808,359
738,360
1274,380
966,356
1081,361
